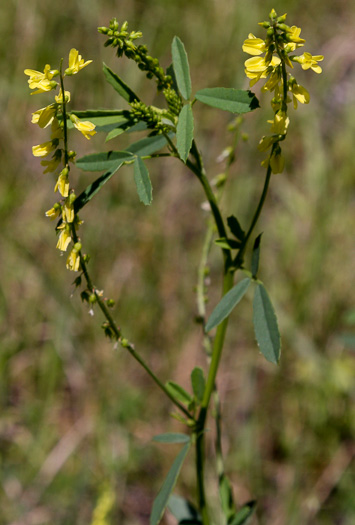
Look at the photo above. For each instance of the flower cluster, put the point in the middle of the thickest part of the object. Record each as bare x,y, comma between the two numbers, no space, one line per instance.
55,115
124,42
280,41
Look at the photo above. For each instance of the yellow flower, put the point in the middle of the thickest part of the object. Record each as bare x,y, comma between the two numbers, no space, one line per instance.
52,165
266,142
42,81
64,238
44,116
68,209
59,98
308,61
42,150
73,260
293,36
280,123
87,128
54,212
256,68
56,130
275,160
76,63
253,45
299,93
272,82
62,184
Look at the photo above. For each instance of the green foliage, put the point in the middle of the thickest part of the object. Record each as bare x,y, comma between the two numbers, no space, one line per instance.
142,180
119,86
163,496
181,67
265,325
228,99
171,437
185,132
228,302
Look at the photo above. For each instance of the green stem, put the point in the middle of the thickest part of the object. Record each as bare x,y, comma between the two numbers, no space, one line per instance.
64,110
239,259
124,343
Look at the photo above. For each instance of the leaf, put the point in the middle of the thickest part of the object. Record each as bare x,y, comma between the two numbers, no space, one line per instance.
142,180
227,303
235,227
171,437
255,257
265,325
185,131
107,160
198,383
128,126
162,498
229,99
183,510
170,71
179,392
228,244
93,188
243,515
120,86
226,496
149,145
181,67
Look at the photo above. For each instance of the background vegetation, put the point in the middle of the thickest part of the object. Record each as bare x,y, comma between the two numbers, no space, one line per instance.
77,416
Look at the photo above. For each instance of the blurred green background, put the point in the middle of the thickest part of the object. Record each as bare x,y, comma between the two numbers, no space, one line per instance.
77,415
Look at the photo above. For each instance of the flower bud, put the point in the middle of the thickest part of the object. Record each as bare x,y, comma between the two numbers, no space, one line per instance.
110,303
92,298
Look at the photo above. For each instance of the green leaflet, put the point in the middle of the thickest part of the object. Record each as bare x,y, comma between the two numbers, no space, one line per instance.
185,131
198,383
265,325
109,160
171,437
228,302
183,510
162,498
142,180
93,188
228,99
118,85
181,67
243,515
103,161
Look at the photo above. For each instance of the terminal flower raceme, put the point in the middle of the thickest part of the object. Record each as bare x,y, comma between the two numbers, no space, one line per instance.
280,41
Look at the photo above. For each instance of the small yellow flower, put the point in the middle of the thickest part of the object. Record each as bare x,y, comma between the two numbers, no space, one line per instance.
76,63
275,160
44,116
42,150
272,81
54,212
42,81
62,184
299,93
64,238
266,142
294,39
59,98
84,126
308,61
68,209
56,130
73,260
280,123
256,68
253,45
52,165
